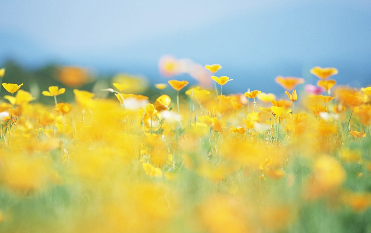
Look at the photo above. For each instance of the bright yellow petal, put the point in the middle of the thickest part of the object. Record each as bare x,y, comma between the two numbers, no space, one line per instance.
46,93
2,72
216,79
61,91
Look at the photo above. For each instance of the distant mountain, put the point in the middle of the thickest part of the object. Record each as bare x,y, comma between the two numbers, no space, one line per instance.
253,48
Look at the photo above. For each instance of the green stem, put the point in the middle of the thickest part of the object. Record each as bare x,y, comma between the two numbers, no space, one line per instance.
177,101
55,100
350,119
221,96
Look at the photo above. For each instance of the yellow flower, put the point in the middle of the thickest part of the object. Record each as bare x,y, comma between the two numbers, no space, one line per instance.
326,84
162,103
150,110
54,91
22,97
252,94
293,97
83,98
213,68
63,108
222,80
357,134
289,83
323,73
11,88
178,85
2,72
367,90
150,170
120,86
266,98
326,99
280,111
161,86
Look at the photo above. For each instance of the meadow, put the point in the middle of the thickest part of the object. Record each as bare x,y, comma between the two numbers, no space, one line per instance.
187,159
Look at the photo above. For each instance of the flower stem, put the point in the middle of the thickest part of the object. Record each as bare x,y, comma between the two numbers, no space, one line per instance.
177,101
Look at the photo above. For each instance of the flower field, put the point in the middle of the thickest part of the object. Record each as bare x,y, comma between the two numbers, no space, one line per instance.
192,159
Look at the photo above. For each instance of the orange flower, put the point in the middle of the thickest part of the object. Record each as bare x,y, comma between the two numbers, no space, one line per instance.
73,76
326,84
349,97
293,97
357,134
289,83
326,99
11,88
213,68
222,80
178,85
323,73
252,94
281,103
63,108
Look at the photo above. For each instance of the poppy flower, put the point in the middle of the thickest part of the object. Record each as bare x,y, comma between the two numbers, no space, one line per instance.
324,73
63,108
280,111
326,84
357,134
11,88
326,99
22,97
222,80
120,86
213,68
2,72
161,86
293,97
266,97
163,103
289,83
54,91
73,76
178,85
252,94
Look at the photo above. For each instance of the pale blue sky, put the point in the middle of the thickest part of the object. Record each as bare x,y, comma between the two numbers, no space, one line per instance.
252,39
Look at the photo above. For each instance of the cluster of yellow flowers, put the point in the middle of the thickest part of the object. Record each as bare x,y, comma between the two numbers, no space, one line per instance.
216,164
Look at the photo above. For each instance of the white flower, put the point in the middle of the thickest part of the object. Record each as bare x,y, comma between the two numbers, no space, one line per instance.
261,128
133,103
329,116
171,116
3,115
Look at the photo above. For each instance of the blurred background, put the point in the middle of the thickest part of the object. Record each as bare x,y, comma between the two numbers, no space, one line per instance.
254,40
